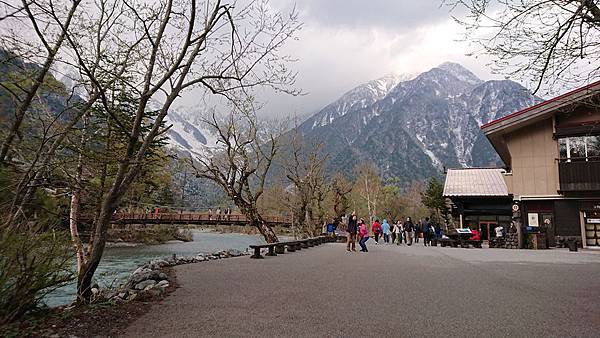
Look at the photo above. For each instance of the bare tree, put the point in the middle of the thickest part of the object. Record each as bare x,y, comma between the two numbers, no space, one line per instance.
551,42
304,166
51,30
152,52
242,164
340,190
368,187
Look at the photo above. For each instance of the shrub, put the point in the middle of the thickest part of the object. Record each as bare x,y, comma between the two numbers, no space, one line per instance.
32,264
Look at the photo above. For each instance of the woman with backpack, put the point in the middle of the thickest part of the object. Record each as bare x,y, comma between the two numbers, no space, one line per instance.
376,229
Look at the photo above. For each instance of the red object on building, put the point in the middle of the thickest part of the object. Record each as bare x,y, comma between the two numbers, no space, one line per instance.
476,235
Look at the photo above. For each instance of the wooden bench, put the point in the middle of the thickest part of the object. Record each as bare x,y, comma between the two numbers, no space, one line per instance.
257,248
304,243
292,246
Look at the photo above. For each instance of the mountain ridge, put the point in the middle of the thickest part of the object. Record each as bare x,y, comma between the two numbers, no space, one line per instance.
419,126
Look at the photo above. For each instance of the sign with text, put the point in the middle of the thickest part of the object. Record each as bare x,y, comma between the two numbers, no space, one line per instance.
533,219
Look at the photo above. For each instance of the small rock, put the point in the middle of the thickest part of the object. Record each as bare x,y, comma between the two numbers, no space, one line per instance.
235,253
143,284
95,291
122,295
132,296
162,283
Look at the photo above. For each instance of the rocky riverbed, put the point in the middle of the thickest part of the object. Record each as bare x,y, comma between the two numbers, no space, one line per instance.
152,279
112,308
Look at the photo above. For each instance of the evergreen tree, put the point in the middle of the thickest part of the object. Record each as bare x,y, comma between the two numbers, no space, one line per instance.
433,197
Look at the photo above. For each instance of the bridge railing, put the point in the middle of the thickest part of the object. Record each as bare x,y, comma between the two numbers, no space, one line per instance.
186,216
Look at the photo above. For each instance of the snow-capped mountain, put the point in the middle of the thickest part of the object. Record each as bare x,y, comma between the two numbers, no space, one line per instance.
413,127
357,99
187,134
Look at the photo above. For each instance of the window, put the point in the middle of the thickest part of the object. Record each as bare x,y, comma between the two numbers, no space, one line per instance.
593,147
582,148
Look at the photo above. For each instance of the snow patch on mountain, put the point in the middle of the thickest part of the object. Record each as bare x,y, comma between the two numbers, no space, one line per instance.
357,99
187,134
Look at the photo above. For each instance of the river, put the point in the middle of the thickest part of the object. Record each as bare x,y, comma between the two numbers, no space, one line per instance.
118,262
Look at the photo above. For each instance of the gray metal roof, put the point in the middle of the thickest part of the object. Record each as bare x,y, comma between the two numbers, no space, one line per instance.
475,182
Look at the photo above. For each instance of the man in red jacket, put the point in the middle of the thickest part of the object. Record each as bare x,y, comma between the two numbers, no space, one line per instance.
376,229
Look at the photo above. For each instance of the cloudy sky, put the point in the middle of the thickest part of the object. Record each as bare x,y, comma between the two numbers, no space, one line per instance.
344,43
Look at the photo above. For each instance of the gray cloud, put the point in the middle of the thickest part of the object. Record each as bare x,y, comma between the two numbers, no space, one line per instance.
348,42
361,14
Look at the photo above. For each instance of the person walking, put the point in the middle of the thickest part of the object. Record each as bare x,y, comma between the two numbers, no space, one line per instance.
418,230
394,234
409,227
376,229
425,230
385,229
352,229
397,231
363,233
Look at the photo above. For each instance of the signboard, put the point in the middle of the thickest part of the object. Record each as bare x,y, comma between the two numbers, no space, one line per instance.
464,231
590,205
515,207
593,220
533,219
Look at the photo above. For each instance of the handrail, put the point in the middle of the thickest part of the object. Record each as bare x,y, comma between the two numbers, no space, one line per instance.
191,216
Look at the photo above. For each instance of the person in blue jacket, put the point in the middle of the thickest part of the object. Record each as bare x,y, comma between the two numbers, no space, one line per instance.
385,228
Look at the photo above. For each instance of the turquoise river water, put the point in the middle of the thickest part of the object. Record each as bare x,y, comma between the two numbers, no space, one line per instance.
118,262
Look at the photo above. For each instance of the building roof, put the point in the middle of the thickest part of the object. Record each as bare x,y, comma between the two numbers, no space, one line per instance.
475,182
542,108
495,130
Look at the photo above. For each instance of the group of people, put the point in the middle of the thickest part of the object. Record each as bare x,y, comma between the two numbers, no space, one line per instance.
407,232
219,215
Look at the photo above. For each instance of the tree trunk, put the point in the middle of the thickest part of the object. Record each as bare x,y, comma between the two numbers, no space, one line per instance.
75,203
96,248
267,232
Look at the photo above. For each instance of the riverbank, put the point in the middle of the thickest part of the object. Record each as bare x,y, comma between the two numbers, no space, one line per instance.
238,229
149,235
121,259
112,309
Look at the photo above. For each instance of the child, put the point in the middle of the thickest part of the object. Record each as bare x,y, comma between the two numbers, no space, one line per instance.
364,236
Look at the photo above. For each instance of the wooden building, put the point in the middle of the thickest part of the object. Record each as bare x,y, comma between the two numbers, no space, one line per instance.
552,156
479,199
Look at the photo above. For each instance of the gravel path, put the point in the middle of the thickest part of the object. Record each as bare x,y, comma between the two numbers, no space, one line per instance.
390,291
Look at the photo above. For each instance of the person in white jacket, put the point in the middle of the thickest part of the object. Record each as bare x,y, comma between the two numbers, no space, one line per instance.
397,230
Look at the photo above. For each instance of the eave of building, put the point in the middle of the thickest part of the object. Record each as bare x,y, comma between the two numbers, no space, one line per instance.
494,130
